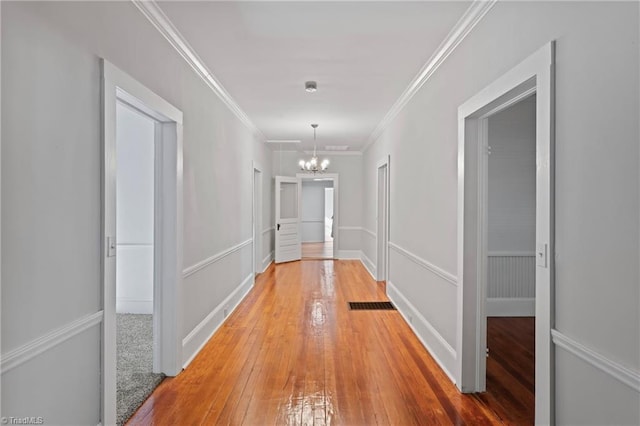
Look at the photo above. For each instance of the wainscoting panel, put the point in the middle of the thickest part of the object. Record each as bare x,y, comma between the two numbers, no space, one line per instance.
426,296
511,275
64,363
200,335
212,289
368,264
583,374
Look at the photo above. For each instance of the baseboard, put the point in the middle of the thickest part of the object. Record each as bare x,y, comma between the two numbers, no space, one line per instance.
134,306
511,307
267,261
438,347
24,353
349,254
368,265
201,333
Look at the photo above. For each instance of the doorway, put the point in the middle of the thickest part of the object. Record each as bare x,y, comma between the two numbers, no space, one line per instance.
532,76
135,248
317,216
258,261
142,241
382,214
510,280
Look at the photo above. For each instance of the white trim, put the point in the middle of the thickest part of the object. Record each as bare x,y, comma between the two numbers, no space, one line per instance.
24,353
460,30
368,265
447,276
511,254
619,372
168,229
271,228
215,258
256,214
208,326
534,72
511,307
337,238
350,228
334,153
138,92
136,306
267,261
429,341
382,226
152,11
349,254
370,232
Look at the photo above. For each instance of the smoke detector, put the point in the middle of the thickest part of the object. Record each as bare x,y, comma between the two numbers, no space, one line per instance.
310,86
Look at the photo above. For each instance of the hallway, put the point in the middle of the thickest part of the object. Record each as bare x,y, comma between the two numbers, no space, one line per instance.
293,353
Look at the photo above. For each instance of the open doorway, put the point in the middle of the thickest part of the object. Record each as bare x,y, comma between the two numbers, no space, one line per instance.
258,261
511,239
142,238
317,217
533,76
382,216
135,248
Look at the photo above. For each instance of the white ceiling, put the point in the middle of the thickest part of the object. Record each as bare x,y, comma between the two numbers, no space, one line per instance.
362,54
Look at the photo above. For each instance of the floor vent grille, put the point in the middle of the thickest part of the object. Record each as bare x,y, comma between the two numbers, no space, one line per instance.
371,306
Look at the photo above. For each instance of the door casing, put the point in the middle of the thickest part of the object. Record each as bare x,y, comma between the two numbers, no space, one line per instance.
534,75
118,86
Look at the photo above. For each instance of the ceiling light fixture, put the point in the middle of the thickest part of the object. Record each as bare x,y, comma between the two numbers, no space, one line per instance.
312,166
310,86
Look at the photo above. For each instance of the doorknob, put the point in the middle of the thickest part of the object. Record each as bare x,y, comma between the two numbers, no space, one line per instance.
278,227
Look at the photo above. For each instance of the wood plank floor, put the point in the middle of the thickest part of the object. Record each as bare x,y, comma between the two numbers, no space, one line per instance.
317,250
511,369
293,353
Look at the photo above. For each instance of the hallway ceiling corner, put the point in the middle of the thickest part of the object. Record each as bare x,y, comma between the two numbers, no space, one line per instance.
364,56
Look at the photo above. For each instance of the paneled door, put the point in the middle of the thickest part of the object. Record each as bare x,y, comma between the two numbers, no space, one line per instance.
287,219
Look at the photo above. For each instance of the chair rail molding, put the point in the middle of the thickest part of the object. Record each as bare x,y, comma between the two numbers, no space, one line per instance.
621,373
215,258
55,337
448,277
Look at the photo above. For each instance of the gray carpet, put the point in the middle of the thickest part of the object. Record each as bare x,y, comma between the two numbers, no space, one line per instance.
135,380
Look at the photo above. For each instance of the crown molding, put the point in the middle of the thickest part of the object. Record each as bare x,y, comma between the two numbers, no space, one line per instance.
334,153
154,14
460,30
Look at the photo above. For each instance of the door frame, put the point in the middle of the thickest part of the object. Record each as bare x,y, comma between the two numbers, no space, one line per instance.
117,86
256,198
382,256
534,75
278,220
335,177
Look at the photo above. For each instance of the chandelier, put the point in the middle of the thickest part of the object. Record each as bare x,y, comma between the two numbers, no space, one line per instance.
313,166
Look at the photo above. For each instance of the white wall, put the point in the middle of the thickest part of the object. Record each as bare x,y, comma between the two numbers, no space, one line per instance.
349,169
597,213
313,206
134,211
512,179
511,185
51,195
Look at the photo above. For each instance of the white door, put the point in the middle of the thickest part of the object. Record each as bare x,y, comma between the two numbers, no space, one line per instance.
287,219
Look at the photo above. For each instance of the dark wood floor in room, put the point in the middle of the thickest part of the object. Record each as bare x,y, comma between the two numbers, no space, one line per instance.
293,353
511,369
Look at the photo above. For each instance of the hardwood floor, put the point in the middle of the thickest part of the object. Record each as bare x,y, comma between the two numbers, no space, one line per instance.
317,250
511,369
293,353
